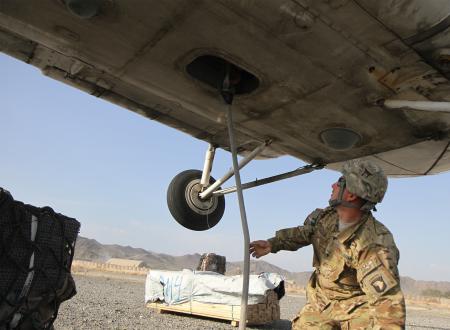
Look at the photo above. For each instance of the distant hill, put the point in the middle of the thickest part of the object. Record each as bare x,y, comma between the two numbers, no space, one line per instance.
91,250
412,286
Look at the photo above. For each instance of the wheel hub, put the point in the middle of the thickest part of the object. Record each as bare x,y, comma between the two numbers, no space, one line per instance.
200,206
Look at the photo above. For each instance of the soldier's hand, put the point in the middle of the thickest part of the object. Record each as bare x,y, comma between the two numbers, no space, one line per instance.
260,248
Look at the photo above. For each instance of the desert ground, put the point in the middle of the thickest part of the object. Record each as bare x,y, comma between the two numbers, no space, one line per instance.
116,301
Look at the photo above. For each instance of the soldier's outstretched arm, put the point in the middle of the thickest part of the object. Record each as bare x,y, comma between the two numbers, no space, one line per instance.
378,276
291,239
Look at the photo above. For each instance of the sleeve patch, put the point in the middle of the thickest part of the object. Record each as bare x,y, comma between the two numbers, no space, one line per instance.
380,281
379,284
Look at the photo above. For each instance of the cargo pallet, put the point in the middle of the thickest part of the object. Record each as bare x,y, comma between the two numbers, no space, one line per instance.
262,313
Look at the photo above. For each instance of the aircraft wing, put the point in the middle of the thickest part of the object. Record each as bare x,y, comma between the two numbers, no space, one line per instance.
311,73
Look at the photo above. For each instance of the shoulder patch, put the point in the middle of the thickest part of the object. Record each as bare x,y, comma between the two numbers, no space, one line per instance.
379,282
375,278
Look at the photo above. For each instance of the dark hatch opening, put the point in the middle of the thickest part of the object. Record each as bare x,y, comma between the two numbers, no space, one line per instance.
211,70
340,138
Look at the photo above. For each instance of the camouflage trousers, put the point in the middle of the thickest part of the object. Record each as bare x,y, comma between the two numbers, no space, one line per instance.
333,318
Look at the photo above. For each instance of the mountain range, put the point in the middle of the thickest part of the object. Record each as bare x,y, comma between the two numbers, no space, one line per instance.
91,250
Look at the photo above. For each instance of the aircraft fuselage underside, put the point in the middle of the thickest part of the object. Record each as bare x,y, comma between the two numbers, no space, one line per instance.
312,73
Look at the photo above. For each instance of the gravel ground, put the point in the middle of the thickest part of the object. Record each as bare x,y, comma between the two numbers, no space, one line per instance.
117,303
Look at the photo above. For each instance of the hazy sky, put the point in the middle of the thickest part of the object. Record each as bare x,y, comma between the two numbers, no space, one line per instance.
110,168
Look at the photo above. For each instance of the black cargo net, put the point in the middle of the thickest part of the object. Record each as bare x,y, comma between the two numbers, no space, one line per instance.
36,252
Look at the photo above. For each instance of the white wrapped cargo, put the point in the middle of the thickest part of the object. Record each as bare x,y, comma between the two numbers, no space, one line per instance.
177,287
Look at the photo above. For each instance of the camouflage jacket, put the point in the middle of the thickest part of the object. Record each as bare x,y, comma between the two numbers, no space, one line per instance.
354,267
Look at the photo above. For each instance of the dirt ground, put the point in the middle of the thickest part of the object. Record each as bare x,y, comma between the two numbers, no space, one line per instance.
116,301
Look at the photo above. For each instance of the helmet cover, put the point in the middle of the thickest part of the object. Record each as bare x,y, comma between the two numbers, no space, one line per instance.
365,179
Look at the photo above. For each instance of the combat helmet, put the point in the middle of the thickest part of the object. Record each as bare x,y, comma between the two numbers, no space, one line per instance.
364,179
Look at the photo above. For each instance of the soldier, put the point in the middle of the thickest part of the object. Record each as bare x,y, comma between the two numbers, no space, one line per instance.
355,284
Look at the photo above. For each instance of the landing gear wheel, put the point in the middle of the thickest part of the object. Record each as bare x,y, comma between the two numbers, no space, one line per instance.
186,206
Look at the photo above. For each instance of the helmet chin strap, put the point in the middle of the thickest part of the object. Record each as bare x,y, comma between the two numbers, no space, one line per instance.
339,201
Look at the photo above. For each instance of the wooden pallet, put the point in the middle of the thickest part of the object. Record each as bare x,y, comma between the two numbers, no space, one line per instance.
256,314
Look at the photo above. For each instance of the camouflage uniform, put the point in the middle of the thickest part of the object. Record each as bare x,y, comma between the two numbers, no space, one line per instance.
355,284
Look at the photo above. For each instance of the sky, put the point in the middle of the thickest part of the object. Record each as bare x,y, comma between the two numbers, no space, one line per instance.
110,168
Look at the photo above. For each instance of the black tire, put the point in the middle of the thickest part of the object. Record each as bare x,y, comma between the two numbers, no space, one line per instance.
185,206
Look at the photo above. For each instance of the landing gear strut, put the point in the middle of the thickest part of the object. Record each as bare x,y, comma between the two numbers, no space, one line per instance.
195,199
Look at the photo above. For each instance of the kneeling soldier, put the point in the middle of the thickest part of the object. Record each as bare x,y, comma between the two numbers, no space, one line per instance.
355,284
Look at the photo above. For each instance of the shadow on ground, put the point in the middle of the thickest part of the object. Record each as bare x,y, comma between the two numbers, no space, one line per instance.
279,324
